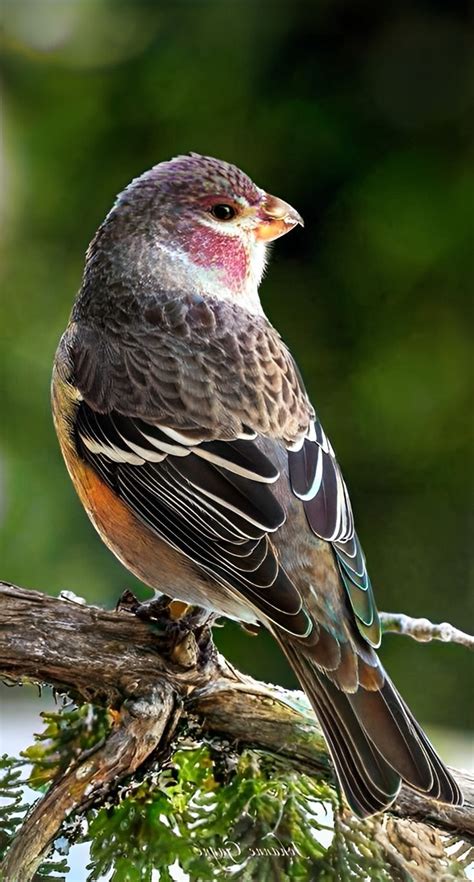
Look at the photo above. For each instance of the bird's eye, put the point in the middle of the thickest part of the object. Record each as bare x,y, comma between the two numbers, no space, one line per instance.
223,212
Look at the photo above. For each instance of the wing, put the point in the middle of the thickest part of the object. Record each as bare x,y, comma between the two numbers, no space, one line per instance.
211,500
316,479
201,372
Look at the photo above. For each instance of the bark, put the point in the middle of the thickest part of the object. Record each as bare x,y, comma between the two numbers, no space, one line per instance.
152,679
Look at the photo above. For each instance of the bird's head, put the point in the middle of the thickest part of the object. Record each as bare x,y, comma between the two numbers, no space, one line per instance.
205,221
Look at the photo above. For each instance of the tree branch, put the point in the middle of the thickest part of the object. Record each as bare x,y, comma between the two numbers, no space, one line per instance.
117,660
136,734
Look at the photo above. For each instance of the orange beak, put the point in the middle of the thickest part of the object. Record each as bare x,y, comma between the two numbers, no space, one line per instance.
275,219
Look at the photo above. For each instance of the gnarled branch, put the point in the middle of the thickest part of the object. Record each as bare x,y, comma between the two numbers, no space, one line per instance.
115,659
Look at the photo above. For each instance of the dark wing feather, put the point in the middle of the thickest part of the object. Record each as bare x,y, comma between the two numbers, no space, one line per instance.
212,501
316,479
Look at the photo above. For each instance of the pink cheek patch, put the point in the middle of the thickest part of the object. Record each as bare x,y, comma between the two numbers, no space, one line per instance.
215,251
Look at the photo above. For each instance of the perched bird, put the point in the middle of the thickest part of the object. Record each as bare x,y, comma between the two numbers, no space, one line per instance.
194,448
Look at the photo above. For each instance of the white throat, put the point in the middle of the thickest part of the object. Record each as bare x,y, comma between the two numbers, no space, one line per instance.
208,280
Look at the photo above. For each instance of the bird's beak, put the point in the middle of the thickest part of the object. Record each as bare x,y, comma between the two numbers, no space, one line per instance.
275,218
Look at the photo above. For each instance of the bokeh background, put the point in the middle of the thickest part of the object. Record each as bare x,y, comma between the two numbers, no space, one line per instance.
360,115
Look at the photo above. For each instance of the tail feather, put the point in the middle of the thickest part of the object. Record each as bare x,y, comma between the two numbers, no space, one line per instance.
353,755
362,798
444,788
374,740
385,721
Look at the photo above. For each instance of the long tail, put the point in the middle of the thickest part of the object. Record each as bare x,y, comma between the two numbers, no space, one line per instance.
374,740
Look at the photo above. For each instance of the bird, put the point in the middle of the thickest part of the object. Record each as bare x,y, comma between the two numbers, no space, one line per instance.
197,454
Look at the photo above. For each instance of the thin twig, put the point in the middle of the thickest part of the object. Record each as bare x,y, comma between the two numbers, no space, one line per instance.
423,630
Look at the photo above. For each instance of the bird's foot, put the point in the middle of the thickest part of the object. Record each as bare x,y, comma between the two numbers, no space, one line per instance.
184,631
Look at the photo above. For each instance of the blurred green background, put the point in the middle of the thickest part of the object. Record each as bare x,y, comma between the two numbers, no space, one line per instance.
359,114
